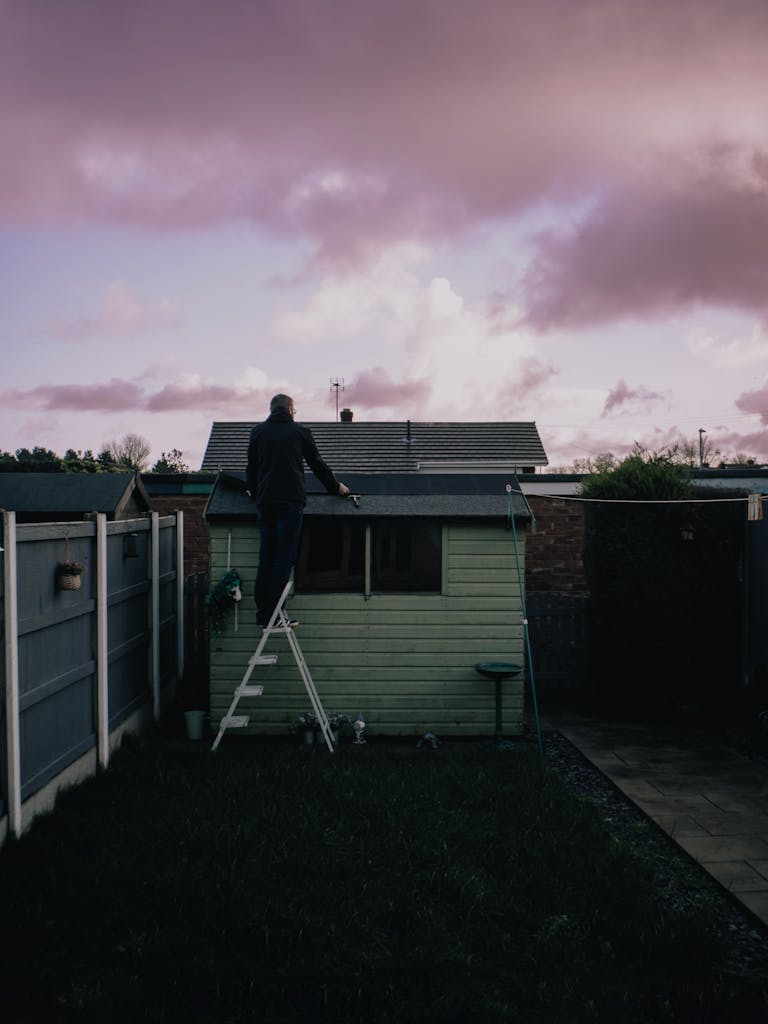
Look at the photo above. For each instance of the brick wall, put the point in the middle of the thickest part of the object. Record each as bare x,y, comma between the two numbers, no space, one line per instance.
195,530
555,552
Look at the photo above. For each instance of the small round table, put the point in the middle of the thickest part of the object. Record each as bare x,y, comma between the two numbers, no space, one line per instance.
498,671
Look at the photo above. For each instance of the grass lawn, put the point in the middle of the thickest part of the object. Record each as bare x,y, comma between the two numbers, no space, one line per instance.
270,883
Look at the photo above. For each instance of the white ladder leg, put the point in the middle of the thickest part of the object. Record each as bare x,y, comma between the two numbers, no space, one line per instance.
278,623
309,685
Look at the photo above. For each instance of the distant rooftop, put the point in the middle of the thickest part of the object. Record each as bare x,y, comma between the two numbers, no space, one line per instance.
61,495
399,447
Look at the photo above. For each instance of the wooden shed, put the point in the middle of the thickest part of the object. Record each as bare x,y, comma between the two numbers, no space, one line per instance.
399,597
70,497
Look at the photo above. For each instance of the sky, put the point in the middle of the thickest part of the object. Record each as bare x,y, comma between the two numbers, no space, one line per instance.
547,210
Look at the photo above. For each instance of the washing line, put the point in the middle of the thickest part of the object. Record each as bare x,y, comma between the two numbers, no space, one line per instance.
645,501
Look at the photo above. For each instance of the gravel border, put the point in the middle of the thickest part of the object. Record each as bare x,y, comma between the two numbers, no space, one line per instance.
684,883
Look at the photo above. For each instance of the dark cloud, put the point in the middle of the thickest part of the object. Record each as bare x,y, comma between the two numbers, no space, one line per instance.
375,389
357,124
755,402
652,253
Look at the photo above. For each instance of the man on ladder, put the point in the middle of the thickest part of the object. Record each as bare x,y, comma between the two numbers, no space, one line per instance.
275,478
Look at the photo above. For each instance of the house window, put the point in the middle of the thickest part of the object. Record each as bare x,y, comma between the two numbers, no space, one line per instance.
331,556
406,555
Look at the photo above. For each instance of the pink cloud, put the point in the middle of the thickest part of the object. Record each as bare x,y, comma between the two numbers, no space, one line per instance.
375,389
621,395
173,397
647,253
755,402
530,377
114,396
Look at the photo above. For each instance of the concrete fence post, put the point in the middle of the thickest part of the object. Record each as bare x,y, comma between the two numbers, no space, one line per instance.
13,738
180,609
102,644
155,613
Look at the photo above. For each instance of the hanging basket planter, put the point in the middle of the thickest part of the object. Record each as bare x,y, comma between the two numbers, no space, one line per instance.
68,575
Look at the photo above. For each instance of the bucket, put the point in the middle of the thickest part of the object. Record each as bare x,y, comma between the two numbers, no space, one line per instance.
195,721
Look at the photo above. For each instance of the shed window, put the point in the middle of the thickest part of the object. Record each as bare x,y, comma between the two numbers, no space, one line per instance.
331,556
406,555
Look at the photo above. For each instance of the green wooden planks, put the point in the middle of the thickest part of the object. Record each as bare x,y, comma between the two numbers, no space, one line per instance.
405,660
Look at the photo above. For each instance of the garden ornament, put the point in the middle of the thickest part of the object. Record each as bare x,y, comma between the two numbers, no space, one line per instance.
359,726
429,738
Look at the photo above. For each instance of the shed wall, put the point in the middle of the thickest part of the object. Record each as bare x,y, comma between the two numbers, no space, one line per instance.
405,660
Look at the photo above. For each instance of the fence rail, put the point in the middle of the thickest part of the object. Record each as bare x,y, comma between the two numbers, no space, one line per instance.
83,663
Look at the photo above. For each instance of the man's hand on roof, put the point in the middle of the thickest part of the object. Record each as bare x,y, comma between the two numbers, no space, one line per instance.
343,490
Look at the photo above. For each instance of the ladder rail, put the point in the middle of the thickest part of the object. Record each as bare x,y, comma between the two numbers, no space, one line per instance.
278,623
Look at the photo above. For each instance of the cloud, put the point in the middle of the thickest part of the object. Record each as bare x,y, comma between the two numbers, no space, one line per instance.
650,253
113,396
621,395
374,389
755,402
357,125
121,314
735,352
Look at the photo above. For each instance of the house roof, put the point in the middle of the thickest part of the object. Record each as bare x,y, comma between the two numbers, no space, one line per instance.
444,496
396,447
67,493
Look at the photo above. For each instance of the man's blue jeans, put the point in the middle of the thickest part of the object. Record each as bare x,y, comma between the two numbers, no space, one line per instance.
280,529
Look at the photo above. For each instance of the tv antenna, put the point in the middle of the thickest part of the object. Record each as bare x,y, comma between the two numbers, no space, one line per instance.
337,385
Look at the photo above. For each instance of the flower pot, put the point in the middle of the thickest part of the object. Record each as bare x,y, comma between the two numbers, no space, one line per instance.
68,581
195,722
309,737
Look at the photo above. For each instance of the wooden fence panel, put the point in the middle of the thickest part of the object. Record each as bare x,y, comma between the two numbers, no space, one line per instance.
128,626
557,626
58,635
56,643
3,739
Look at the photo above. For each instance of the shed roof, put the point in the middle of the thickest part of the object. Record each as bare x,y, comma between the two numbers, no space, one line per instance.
396,447
68,493
444,496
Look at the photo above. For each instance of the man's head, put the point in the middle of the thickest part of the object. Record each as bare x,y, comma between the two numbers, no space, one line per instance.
282,402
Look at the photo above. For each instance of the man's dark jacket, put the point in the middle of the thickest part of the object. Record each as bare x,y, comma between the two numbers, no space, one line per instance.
276,454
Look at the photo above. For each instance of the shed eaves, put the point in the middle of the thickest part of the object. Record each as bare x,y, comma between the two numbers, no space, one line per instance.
444,496
393,447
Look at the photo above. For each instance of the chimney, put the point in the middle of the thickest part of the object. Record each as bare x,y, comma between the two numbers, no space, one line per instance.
346,415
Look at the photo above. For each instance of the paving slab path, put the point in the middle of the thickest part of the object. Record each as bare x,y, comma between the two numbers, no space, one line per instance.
712,800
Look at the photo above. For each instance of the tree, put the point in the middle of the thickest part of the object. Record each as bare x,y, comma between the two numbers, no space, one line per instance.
601,462
130,452
642,476
80,462
39,460
170,462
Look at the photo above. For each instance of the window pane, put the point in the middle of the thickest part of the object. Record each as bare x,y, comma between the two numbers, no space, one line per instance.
407,556
331,556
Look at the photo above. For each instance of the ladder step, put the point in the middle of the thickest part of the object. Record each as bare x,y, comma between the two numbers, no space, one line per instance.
234,721
263,659
249,691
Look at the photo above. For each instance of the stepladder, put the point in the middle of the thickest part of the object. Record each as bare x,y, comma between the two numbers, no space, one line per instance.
279,625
